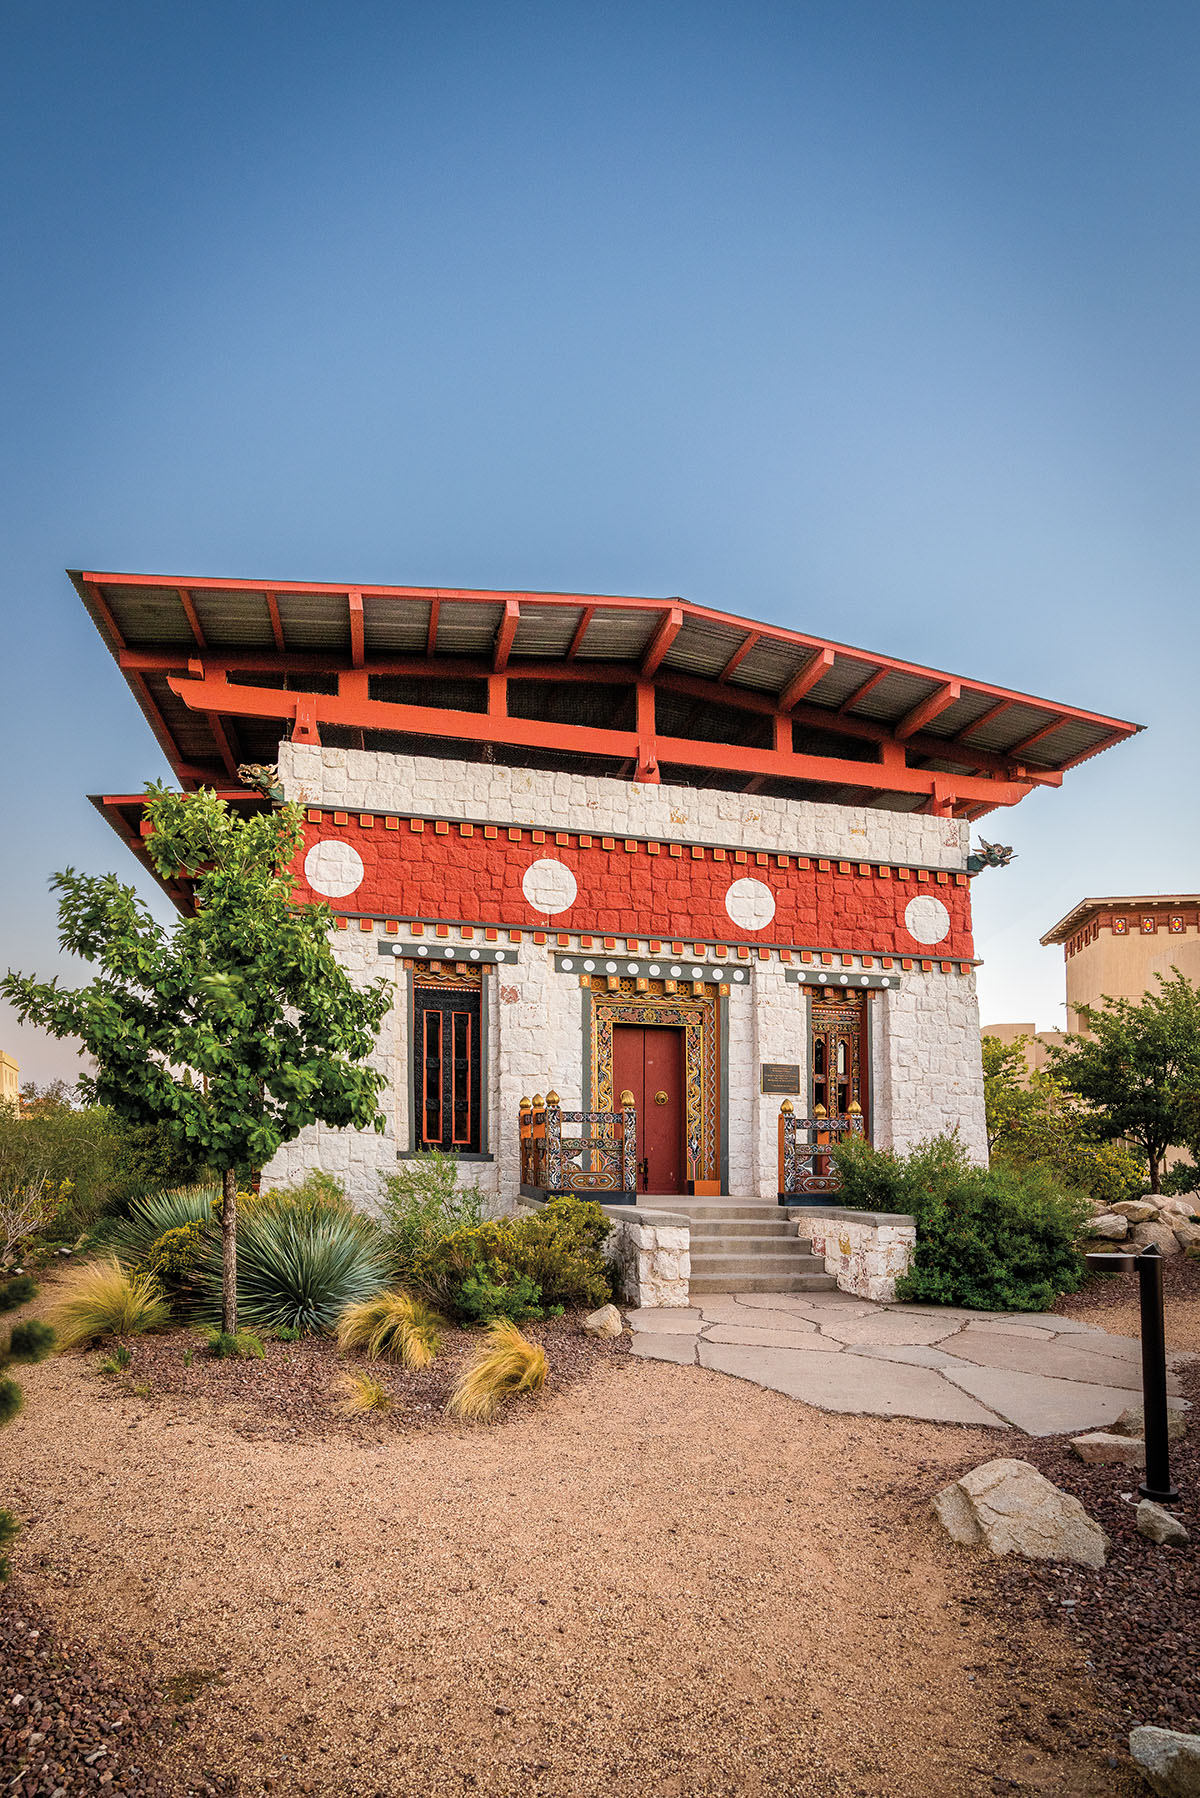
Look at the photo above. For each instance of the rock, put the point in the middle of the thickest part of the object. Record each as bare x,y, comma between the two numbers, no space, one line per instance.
1099,1449
1176,1207
1136,1210
1158,1525
605,1322
1169,1760
1133,1422
1012,1509
1162,1234
1187,1234
1109,1223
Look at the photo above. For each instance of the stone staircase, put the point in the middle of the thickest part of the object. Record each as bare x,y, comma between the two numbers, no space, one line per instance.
744,1245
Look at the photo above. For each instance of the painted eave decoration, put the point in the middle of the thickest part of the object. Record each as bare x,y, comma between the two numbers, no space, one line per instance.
642,689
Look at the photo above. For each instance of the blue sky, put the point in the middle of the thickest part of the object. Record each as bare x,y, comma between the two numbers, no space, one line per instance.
876,320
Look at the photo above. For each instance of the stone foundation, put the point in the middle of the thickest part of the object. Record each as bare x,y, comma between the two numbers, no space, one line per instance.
865,1251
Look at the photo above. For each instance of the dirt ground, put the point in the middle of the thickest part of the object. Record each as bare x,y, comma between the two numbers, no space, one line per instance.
1111,1302
658,1583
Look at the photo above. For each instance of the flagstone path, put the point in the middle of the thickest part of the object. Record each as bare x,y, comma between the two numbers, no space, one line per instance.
1035,1372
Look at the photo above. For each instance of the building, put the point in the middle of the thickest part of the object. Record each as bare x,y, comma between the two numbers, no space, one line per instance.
1037,1042
1113,948
10,1080
606,846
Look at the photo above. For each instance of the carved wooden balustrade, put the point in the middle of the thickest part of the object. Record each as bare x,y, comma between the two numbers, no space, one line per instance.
601,1162
806,1168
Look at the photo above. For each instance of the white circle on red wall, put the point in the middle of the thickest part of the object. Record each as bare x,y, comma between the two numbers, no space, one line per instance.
333,868
926,919
751,904
549,886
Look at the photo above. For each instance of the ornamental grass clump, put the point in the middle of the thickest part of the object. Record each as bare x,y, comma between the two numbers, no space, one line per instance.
17,1291
102,1299
31,1341
393,1325
362,1392
505,1365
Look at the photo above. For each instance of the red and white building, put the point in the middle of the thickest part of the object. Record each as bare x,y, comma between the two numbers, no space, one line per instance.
609,844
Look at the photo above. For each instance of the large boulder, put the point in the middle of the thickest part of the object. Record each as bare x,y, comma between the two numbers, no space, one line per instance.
1100,1449
1010,1508
1133,1421
1169,1760
1187,1234
1110,1224
1160,1234
1138,1211
1158,1525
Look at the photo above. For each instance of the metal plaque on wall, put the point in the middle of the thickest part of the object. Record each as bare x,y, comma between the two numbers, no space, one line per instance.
781,1077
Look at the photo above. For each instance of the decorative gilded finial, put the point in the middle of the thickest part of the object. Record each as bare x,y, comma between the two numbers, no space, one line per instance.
787,1106
525,1104
819,1111
627,1100
553,1099
854,1108
538,1102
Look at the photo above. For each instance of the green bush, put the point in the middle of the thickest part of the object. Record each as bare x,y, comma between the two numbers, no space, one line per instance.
998,1239
298,1266
318,1191
174,1256
31,1341
10,1528
12,1400
17,1291
135,1237
421,1204
1183,1178
521,1266
235,1345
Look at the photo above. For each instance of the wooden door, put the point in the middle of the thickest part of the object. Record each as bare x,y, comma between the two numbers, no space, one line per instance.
446,1068
648,1060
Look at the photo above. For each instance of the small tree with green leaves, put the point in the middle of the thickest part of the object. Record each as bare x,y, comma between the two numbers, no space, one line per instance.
1139,1068
236,1027
1034,1120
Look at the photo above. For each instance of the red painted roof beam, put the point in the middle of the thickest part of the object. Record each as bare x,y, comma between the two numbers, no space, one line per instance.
938,702
664,636
505,632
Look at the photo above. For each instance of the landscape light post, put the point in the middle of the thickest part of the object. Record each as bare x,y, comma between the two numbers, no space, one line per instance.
1157,1483
1149,1264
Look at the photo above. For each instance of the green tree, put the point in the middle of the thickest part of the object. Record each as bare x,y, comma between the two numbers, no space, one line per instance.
1034,1120
1006,1095
1139,1069
233,1029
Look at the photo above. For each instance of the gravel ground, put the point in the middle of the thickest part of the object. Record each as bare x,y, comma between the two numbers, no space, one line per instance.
1111,1301
293,1391
652,1583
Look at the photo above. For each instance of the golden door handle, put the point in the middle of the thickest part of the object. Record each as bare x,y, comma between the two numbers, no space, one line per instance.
660,1098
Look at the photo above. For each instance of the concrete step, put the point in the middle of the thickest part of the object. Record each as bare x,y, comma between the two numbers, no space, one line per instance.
701,1209
762,1229
706,1261
701,1284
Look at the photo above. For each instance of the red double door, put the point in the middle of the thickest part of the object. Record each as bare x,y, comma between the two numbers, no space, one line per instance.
648,1061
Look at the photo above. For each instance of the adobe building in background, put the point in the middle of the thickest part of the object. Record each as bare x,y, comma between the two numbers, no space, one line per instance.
607,844
1113,948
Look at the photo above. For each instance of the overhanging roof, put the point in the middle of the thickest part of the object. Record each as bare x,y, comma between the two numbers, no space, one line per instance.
647,688
1080,914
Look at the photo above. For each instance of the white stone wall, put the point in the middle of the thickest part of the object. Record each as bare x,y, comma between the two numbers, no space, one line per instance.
928,1063
437,786
780,1018
355,1157
866,1254
651,1257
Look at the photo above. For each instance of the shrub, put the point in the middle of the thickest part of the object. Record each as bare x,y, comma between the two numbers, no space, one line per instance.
362,1392
10,1528
420,1205
17,1291
393,1324
173,1258
1180,1180
998,1239
504,1365
236,1345
517,1267
12,1399
298,1266
318,1191
102,1299
133,1239
31,1341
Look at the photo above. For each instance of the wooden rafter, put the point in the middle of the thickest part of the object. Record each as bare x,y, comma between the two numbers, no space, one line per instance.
802,682
668,629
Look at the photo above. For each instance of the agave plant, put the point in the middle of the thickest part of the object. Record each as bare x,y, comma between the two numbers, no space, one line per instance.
131,1238
299,1267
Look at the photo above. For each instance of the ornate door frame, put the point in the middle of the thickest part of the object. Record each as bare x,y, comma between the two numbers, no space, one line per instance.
700,1019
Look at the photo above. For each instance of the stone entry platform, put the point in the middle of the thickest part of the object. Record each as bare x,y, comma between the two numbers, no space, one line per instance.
1034,1372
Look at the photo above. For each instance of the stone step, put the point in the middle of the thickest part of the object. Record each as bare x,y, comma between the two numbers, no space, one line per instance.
761,1229
759,1282
717,1208
707,1261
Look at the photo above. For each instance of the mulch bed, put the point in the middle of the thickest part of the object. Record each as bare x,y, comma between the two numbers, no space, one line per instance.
1181,1280
293,1390
1137,1618
68,1726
